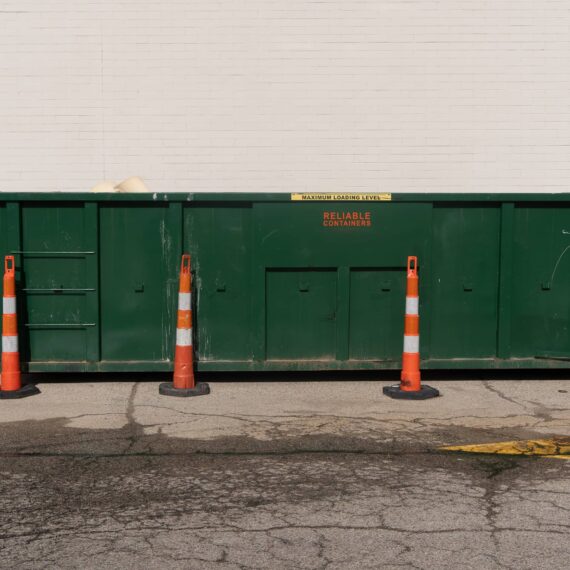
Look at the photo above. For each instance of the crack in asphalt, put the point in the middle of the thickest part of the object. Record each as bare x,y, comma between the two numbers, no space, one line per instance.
502,395
134,429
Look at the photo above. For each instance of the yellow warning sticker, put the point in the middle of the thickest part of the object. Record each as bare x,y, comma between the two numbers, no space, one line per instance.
558,448
337,197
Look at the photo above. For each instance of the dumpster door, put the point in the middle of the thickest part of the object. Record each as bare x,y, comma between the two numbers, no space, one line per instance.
301,314
132,283
377,301
54,280
463,317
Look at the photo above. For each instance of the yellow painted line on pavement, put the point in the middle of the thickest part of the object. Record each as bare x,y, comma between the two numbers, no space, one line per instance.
556,448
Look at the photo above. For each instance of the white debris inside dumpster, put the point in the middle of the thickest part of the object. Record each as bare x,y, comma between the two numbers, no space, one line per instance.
131,185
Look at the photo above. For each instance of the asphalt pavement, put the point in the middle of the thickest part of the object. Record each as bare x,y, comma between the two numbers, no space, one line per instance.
311,473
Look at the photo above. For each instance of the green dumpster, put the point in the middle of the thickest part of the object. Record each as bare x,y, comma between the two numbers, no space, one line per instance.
289,282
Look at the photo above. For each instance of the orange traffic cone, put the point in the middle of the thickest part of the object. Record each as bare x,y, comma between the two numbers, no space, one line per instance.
410,387
183,383
11,379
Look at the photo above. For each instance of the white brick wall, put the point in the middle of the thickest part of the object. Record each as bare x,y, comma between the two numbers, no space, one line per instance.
286,95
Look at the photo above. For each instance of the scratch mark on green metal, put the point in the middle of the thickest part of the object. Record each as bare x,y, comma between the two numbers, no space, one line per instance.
557,263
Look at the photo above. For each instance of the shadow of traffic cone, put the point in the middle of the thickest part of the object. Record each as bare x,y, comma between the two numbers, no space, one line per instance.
410,387
183,384
11,378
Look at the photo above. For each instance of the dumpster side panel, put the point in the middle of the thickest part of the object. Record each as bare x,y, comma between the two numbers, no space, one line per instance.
53,258
301,314
324,269
219,239
465,255
541,281
133,269
377,300
371,234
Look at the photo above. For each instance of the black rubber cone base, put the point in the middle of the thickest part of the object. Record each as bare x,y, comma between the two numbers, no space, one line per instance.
25,391
168,389
423,393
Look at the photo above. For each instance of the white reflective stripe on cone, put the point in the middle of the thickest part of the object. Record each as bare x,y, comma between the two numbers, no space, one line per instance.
9,344
183,337
9,305
411,343
412,305
184,301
